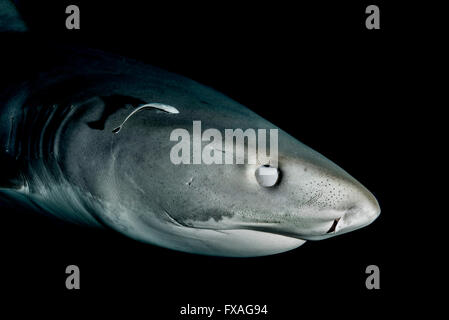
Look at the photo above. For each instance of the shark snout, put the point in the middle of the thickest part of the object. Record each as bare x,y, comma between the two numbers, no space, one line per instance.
363,212
355,209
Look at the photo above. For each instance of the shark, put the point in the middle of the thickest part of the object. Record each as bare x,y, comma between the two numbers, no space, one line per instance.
85,137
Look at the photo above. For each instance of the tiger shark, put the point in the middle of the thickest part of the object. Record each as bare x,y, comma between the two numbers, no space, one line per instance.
85,137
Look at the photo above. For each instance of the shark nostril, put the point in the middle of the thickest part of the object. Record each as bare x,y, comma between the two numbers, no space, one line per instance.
333,226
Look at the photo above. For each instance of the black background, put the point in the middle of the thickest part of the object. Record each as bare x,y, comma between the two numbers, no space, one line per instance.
315,71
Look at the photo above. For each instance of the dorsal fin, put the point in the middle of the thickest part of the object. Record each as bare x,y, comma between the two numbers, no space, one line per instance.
10,19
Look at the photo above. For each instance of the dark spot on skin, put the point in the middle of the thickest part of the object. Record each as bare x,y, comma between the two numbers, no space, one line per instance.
334,225
204,102
112,104
216,215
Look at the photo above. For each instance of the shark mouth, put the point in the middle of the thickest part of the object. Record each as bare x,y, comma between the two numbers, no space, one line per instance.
333,226
268,227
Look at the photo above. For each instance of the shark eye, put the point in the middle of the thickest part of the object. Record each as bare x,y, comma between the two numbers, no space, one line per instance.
267,176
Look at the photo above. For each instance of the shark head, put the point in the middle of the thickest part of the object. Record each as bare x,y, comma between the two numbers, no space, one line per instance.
243,208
